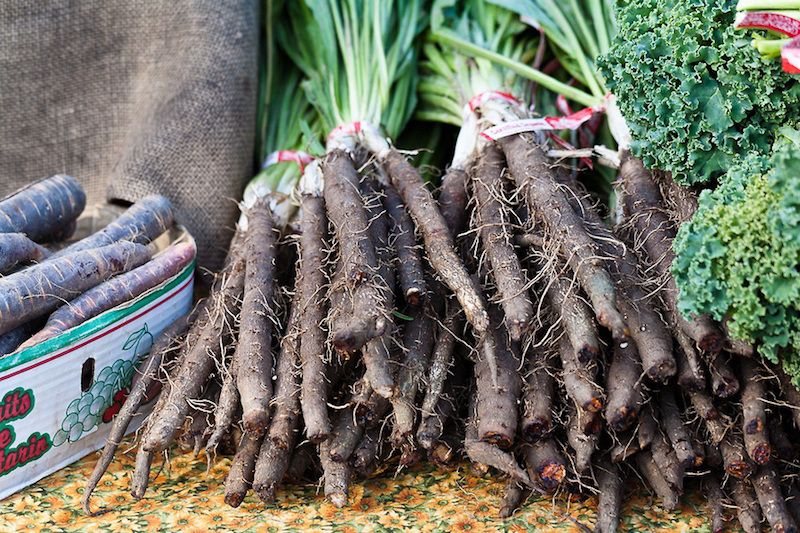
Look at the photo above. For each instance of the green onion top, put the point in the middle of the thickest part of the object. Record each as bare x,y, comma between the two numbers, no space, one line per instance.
358,58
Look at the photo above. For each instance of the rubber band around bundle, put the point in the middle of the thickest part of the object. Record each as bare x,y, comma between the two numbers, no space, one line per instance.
479,99
768,20
562,104
567,122
790,56
286,156
349,129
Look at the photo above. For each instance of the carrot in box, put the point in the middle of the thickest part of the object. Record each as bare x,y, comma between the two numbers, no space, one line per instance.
142,223
38,290
116,291
45,211
16,248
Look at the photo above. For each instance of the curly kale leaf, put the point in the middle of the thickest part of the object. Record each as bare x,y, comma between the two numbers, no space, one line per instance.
694,92
739,257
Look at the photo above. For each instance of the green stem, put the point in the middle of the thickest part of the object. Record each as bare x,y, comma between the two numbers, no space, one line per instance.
434,86
436,116
575,49
599,21
588,38
451,39
447,105
269,68
770,48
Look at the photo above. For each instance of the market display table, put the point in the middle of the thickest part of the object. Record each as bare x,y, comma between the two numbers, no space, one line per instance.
185,498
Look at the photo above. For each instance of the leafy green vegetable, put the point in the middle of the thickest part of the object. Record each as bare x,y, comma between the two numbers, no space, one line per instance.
282,129
694,92
484,32
449,79
282,116
739,257
577,43
358,58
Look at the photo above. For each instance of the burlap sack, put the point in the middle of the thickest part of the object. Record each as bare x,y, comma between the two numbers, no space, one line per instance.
133,97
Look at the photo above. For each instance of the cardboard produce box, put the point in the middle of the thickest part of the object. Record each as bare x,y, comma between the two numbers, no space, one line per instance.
57,398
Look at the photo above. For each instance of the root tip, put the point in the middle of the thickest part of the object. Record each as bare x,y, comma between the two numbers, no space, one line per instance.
414,297
338,499
713,343
761,454
234,500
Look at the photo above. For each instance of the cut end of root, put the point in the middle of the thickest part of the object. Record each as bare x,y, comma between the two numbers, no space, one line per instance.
712,343
362,414
518,329
761,454
338,499
536,430
410,456
266,493
739,469
754,426
692,383
592,426
361,462
661,372
344,342
551,475
234,499
414,297
441,453
425,440
614,322
588,353
726,389
504,442
506,511
593,405
624,418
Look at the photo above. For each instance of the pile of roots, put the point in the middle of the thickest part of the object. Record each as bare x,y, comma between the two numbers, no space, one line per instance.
506,322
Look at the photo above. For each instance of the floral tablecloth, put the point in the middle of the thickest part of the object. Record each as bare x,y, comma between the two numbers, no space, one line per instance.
184,497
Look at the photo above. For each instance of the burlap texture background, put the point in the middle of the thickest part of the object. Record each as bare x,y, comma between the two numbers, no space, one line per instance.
133,97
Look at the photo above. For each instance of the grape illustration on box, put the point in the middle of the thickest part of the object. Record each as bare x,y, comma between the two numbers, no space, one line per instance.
105,397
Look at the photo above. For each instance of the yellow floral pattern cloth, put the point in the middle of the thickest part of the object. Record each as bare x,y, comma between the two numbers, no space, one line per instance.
186,498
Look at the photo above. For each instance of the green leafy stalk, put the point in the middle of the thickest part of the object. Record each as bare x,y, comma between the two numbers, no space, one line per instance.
769,48
464,46
579,31
449,79
358,58
283,129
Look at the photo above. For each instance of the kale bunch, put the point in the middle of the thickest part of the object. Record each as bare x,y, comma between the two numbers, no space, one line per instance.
694,92
739,257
